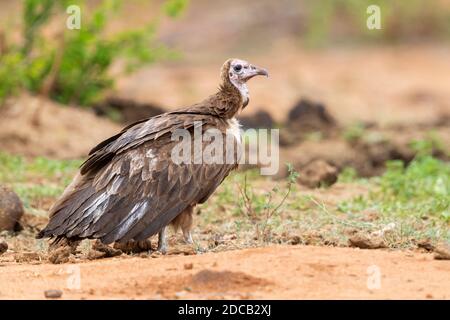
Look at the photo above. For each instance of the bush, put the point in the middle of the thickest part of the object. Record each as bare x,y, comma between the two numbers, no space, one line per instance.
74,68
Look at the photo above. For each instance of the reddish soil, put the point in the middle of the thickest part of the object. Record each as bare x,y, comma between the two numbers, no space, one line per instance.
295,272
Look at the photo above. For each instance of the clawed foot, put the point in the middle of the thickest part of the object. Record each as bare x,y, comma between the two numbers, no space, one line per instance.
133,246
100,250
62,250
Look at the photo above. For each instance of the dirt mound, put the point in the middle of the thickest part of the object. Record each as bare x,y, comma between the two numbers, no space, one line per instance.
306,117
11,210
318,173
213,283
260,120
368,153
336,152
209,280
128,110
34,126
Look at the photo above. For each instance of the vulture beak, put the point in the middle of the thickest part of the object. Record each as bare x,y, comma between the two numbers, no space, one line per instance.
255,71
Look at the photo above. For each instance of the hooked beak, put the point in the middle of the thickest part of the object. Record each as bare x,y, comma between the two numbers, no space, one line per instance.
256,71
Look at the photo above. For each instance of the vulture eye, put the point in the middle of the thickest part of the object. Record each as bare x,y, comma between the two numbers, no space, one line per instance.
237,68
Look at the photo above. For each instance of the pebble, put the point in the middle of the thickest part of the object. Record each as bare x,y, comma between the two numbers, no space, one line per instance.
53,294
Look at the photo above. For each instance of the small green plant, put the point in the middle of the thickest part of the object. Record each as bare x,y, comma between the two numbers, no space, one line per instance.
421,189
174,7
429,145
348,174
261,208
354,132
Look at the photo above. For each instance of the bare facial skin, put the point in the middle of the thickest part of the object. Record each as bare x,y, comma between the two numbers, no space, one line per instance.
240,72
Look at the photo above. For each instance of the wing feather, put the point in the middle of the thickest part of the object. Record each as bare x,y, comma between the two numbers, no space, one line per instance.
129,188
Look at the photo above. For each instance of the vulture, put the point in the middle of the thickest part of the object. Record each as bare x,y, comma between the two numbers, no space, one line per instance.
129,188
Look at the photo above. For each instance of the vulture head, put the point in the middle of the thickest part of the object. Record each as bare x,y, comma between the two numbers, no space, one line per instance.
236,72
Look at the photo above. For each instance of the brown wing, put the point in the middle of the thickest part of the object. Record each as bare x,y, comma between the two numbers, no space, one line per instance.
137,191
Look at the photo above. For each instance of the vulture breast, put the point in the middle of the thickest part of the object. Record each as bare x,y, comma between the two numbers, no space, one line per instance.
234,128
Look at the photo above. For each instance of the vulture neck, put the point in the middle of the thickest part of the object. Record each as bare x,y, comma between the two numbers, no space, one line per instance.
230,100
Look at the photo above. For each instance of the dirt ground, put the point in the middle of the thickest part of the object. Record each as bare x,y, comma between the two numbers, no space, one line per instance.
296,272
34,126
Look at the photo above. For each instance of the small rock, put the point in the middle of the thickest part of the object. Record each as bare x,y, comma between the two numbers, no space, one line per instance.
180,294
426,244
188,266
11,210
53,294
3,246
442,252
294,240
364,242
317,173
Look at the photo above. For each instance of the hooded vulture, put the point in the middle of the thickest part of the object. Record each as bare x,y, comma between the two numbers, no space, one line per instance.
129,188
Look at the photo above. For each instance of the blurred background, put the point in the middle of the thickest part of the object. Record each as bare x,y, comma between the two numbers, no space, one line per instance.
333,81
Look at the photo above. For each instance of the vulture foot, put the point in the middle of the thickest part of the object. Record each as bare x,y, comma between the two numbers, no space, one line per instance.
100,250
60,250
133,246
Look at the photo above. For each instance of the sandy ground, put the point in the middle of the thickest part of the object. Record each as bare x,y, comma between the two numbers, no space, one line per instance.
295,272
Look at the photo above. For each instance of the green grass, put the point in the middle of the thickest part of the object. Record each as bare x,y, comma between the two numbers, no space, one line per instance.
15,168
415,198
421,189
35,180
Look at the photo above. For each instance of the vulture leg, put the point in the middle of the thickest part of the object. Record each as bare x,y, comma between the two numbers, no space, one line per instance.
162,241
187,224
188,237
